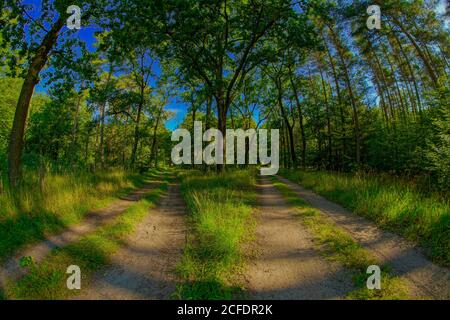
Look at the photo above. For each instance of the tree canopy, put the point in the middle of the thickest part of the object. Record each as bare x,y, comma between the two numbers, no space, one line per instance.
344,97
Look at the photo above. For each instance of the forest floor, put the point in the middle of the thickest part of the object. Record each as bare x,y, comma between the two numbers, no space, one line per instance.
12,270
305,247
423,278
287,264
144,267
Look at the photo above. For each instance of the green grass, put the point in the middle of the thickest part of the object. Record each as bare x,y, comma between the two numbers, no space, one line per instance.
336,244
47,280
220,222
394,205
29,213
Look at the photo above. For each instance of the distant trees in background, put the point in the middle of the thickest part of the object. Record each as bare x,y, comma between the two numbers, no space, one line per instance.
374,99
344,97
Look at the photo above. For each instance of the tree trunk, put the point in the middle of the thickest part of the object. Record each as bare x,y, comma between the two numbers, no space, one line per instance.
302,127
411,71
73,144
136,127
102,134
194,118
23,104
381,94
155,131
208,113
394,79
384,81
422,56
222,126
102,120
327,106
338,93
289,128
350,91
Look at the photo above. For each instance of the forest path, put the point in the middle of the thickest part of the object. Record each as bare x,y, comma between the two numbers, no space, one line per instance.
287,265
11,269
424,278
144,267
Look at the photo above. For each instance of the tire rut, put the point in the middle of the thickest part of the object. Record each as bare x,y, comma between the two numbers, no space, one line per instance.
287,265
424,278
11,270
143,269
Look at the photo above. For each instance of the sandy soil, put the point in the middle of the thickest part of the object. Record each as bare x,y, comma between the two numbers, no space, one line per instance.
287,265
143,268
425,279
11,268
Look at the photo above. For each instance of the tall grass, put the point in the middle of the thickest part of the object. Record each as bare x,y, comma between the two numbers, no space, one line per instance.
221,221
40,206
393,205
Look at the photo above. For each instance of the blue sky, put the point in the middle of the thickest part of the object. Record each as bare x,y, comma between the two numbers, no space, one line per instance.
86,34
178,108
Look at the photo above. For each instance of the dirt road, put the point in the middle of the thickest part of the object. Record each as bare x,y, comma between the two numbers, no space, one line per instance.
287,265
11,269
143,268
424,278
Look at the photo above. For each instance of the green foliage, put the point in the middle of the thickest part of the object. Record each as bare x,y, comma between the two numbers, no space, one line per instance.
351,99
26,261
221,222
9,89
438,152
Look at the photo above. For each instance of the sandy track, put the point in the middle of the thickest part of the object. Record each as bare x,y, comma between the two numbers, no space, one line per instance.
424,278
287,265
143,268
11,269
